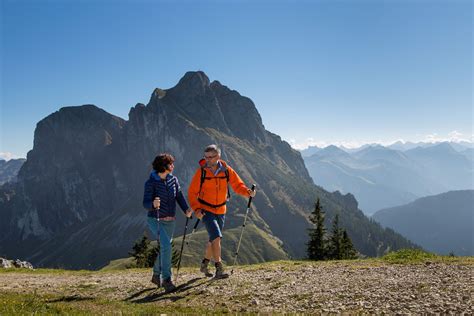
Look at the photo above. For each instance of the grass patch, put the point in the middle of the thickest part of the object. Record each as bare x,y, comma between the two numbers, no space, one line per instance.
120,264
409,256
22,304
414,256
46,271
74,272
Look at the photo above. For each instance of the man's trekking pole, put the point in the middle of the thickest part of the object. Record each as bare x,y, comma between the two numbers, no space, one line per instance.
242,231
181,251
187,243
192,232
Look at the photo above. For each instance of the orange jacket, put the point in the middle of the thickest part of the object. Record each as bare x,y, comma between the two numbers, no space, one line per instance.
214,190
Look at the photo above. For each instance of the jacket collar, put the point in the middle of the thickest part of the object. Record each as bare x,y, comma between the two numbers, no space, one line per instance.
155,176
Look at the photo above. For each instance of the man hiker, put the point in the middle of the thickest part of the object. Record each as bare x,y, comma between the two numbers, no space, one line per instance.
162,191
208,194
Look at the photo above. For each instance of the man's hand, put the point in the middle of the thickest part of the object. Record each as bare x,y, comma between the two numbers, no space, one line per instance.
199,214
189,212
252,193
156,203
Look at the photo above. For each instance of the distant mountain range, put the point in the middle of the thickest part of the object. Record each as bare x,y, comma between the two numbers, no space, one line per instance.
381,177
462,146
403,146
9,169
78,199
442,223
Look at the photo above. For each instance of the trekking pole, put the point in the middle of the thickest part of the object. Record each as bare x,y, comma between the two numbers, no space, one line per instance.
192,232
181,251
242,231
187,243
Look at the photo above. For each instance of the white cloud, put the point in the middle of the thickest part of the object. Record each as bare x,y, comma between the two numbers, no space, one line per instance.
8,156
431,138
321,143
453,136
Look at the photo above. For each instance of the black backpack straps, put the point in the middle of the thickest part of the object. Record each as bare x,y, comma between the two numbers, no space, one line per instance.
203,178
227,178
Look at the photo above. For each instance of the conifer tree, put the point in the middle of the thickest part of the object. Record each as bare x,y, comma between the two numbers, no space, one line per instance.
145,254
348,250
152,254
140,252
174,255
316,245
335,240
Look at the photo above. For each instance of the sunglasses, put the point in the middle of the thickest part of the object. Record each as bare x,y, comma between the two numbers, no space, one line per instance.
210,157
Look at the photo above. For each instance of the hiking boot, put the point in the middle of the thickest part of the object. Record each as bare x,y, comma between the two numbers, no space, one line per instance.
168,285
204,268
220,274
155,279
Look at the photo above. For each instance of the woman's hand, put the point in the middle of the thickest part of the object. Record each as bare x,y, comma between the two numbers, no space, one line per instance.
156,203
189,212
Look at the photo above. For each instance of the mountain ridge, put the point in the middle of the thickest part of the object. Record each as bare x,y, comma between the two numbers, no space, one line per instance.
441,223
382,177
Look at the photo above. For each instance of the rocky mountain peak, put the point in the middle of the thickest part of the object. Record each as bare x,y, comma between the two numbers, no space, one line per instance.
84,125
69,137
209,105
348,200
194,79
192,84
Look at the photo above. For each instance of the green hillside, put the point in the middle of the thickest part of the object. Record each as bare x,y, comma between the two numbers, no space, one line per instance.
256,246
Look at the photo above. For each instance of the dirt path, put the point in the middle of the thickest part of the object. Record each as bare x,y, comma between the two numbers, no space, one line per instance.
432,287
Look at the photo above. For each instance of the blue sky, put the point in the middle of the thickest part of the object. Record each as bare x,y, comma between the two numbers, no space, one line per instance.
319,72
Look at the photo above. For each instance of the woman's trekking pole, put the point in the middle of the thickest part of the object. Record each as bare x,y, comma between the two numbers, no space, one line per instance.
242,231
181,251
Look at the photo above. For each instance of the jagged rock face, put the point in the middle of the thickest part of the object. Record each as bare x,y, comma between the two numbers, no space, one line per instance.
9,169
69,173
240,114
177,122
77,202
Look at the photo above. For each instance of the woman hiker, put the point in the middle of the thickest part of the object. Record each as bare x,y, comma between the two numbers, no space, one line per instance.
162,191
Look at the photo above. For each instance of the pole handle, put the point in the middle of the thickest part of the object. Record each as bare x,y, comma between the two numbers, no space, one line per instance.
250,198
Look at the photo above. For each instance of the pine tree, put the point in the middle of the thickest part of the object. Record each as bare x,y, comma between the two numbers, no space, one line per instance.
316,246
335,240
174,255
140,251
152,254
145,256
348,251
